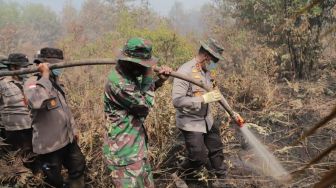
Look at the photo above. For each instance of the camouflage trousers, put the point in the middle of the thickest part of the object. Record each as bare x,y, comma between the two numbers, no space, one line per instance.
136,175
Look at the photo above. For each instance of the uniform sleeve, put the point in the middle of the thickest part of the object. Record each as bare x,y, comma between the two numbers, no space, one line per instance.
147,88
180,98
126,96
37,92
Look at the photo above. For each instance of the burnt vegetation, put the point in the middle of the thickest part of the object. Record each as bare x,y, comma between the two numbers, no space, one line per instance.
279,73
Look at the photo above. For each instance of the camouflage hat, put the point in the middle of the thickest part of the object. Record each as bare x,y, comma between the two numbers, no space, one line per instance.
3,58
213,48
50,55
17,59
138,50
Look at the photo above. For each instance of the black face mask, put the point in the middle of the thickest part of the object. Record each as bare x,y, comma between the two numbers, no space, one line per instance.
132,69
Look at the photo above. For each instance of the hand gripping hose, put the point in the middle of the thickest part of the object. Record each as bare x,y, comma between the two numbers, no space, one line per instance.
238,119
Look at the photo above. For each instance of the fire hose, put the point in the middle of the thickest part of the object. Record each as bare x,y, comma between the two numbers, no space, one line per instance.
276,169
223,102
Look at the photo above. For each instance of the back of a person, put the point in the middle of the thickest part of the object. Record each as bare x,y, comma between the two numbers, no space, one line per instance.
15,114
54,133
50,123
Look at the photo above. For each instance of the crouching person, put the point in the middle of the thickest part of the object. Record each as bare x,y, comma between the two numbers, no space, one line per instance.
53,124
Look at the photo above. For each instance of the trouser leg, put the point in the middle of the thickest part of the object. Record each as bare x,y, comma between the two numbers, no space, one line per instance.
215,147
74,162
51,165
136,175
197,152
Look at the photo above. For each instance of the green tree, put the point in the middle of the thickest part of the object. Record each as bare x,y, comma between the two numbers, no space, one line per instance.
286,23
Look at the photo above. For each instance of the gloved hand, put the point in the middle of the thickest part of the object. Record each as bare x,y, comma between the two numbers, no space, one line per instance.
212,96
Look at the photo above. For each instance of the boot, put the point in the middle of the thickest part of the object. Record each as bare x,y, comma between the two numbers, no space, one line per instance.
77,183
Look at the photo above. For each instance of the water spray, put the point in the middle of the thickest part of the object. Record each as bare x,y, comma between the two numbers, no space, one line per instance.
271,165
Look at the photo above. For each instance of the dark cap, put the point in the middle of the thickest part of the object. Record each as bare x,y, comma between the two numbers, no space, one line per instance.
17,59
50,55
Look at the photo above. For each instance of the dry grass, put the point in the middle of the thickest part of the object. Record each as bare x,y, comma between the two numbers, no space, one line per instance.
280,110
278,120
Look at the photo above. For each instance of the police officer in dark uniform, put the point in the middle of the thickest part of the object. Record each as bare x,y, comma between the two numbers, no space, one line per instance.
193,112
15,115
53,124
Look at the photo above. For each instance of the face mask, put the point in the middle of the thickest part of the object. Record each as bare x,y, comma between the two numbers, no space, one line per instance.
211,66
56,72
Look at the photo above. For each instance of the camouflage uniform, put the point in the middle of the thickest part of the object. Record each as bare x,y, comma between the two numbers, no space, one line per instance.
127,102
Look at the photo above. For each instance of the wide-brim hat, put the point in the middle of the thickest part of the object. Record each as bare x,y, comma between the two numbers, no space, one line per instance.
138,50
144,62
213,48
50,55
17,59
49,60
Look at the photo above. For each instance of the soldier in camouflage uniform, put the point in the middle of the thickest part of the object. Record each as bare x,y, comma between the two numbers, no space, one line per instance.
14,110
129,95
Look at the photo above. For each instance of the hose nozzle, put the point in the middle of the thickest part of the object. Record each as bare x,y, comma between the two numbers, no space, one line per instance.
239,120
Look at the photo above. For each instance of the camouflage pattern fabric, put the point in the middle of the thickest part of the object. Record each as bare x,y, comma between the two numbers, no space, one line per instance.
136,175
127,103
138,50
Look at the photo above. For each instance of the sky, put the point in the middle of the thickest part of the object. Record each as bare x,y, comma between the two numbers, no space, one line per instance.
160,6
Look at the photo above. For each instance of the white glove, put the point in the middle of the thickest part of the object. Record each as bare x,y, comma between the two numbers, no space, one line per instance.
212,96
